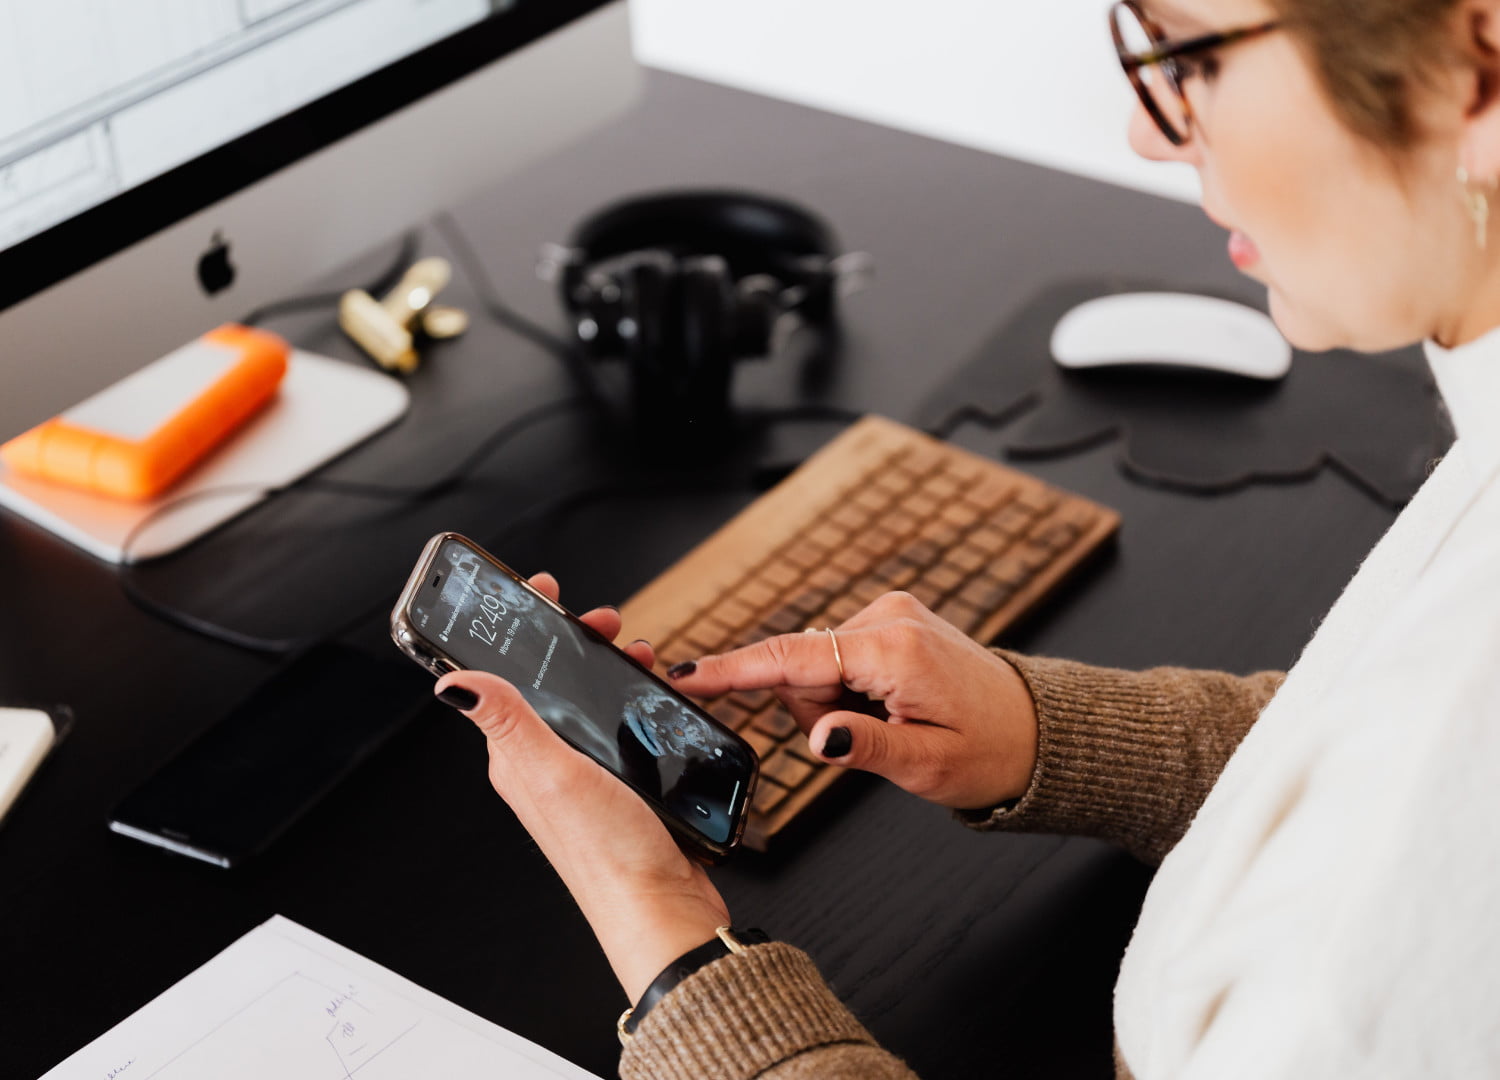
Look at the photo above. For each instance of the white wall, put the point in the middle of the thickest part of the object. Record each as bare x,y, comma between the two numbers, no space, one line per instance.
1034,79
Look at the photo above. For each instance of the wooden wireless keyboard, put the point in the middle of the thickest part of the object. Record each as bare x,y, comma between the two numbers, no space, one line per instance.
880,508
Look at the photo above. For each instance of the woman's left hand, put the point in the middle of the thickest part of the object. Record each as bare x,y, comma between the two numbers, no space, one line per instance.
646,901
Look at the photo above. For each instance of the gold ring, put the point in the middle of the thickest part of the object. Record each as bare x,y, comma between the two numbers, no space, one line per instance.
837,656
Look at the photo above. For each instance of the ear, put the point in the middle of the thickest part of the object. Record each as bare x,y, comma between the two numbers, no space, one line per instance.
1478,30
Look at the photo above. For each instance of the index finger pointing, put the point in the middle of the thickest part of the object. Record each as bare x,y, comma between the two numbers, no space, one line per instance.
805,661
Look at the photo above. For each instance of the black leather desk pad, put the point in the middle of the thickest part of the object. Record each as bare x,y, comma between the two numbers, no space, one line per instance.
1373,418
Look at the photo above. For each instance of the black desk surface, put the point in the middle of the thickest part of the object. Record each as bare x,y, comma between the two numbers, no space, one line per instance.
959,950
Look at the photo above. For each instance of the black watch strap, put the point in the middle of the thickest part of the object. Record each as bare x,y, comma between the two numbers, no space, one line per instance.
725,942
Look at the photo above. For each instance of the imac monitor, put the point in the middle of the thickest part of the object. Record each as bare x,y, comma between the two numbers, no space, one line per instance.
169,165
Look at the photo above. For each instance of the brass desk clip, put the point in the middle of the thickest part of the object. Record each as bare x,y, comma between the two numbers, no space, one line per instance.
391,329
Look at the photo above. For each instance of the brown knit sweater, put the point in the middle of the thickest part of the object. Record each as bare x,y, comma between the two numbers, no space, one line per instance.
1126,756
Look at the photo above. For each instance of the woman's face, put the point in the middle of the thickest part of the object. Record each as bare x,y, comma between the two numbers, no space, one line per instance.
1355,252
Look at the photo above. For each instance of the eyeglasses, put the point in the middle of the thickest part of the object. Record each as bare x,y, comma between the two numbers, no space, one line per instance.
1157,68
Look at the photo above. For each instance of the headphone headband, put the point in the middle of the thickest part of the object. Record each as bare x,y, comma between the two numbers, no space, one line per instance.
753,233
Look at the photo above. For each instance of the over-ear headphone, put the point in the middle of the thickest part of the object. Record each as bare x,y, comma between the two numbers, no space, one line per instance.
683,284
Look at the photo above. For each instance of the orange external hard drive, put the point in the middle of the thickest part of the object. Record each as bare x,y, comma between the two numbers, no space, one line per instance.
132,440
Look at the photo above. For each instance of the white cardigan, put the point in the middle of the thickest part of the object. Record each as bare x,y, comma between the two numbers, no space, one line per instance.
1334,910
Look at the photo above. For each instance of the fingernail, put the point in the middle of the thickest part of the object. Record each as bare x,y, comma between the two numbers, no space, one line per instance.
838,743
677,671
610,607
640,641
461,699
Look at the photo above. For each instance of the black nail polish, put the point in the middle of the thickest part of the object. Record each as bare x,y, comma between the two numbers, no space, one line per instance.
838,743
677,671
461,699
640,641
610,607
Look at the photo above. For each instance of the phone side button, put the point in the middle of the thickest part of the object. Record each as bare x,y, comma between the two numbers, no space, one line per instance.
443,667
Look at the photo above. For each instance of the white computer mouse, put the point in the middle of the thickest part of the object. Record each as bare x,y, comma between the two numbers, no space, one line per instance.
1173,329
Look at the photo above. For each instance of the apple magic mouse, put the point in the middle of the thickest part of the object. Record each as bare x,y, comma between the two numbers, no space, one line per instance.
1172,329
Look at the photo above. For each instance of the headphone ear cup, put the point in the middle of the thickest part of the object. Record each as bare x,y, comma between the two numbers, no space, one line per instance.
651,335
706,307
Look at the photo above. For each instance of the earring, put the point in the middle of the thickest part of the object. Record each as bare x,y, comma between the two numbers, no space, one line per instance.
1479,206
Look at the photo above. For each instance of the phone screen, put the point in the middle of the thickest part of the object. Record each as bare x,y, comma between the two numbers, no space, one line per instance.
589,692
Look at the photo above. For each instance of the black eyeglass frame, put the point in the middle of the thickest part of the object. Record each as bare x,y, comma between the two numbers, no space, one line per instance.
1166,51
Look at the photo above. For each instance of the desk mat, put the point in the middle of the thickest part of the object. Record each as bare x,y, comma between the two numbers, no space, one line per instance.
1374,418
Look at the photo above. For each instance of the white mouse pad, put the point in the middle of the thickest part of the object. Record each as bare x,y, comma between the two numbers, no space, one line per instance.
323,408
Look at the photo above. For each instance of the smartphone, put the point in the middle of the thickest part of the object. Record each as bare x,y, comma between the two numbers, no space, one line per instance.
464,609
244,781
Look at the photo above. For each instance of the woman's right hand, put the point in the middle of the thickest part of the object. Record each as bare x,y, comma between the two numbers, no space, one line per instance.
962,727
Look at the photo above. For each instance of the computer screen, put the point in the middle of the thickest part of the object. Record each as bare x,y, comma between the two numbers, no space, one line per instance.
167,165
99,97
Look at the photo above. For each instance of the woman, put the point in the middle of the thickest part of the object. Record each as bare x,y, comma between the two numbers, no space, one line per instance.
1327,906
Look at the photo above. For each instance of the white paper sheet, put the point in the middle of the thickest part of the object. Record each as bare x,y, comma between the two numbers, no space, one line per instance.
286,1003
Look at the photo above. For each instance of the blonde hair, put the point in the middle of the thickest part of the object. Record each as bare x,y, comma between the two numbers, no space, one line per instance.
1374,57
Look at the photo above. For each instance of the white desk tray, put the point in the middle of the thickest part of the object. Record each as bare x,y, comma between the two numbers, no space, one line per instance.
322,409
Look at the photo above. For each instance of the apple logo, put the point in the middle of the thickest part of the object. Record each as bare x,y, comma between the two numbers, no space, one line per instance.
215,271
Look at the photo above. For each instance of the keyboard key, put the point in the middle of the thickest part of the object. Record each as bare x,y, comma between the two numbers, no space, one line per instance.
990,493
945,577
986,594
777,722
966,559
1013,520
926,592
893,481
942,487
875,541
843,609
989,540
901,523
827,536
734,612
768,796
752,701
785,769
963,615
1053,535
852,562
919,460
758,594
1015,568
1037,499
941,533
764,745
963,469
729,714
785,621
705,635
921,553
922,504
872,499
806,604
802,555
851,517
780,574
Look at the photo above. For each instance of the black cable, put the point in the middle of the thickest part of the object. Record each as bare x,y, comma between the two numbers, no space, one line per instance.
385,282
281,646
489,296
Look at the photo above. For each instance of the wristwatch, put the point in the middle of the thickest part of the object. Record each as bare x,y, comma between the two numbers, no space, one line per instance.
725,942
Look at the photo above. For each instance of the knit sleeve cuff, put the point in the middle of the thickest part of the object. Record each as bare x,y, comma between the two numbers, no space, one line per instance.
738,1017
1105,740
